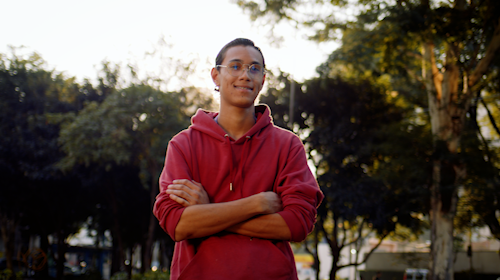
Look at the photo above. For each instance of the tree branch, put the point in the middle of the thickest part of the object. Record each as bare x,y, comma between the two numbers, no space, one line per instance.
360,234
485,62
344,235
328,239
490,116
356,263
431,72
374,248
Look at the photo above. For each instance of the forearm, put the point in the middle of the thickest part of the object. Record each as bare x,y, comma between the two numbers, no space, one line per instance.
271,226
206,219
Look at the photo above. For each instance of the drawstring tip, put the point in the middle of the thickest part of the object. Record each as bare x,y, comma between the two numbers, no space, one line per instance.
231,186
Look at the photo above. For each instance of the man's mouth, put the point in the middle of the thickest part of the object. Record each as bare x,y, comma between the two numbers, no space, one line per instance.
243,87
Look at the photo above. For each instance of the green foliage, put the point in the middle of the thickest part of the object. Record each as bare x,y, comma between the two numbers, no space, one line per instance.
129,125
69,151
7,274
357,135
151,275
371,150
479,197
28,148
280,9
122,275
35,194
121,142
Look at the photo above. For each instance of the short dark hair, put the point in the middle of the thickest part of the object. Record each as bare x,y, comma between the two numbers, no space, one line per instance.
236,42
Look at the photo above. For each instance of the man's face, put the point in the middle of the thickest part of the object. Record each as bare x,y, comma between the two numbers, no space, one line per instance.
242,90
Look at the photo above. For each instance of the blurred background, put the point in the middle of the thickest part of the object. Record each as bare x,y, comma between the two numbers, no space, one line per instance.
397,102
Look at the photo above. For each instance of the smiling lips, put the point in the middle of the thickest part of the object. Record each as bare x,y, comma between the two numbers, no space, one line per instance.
244,87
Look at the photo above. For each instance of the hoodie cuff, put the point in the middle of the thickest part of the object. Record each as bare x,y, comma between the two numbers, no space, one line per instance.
297,231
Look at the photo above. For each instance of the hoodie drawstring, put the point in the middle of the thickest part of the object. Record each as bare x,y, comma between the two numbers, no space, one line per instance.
244,156
231,164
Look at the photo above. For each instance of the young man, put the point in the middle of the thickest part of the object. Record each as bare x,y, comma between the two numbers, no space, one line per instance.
236,189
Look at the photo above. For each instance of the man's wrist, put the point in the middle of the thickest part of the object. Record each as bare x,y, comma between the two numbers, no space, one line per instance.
258,204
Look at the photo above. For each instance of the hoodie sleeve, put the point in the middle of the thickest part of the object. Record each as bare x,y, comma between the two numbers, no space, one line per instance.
167,211
299,192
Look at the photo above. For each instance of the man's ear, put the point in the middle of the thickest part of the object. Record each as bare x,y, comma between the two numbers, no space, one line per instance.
263,79
215,76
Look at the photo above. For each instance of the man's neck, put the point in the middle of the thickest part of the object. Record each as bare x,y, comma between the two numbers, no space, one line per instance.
236,121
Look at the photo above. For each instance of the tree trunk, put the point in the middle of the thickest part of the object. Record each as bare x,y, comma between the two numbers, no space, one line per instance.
130,266
147,250
317,262
442,228
61,252
118,260
8,229
335,259
447,114
44,246
166,252
334,270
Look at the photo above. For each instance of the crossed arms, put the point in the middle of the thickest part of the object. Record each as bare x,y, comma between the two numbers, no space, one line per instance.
184,210
254,216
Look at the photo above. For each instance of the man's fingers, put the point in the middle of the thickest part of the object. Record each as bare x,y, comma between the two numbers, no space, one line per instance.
186,182
192,184
192,190
197,184
195,189
189,190
180,187
178,200
181,192
184,192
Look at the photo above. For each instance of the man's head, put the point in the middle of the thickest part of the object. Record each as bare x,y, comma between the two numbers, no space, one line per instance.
236,42
239,74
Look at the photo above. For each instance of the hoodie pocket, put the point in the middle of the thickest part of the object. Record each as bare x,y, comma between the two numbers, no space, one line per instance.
233,256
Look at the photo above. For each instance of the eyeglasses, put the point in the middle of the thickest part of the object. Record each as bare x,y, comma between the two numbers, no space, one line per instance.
236,68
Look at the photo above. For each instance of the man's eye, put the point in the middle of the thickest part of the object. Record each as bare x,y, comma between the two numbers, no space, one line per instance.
255,68
235,66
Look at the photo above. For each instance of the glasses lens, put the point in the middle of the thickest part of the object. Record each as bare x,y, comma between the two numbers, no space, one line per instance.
235,68
255,69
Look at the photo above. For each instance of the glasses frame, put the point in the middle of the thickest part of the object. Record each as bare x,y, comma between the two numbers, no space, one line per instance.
264,71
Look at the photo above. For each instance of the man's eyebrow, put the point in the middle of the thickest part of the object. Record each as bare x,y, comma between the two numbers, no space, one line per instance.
239,60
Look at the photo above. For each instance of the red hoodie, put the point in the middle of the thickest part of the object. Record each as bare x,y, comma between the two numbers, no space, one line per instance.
266,158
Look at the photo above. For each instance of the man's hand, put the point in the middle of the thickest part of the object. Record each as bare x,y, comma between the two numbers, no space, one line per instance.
270,202
187,192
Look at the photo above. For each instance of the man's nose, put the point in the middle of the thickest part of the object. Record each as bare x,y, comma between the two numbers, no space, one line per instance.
245,73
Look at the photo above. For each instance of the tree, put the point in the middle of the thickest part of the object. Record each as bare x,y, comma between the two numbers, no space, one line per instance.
482,187
357,138
455,43
35,195
132,126
484,179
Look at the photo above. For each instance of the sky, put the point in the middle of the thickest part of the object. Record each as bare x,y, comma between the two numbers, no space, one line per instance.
74,37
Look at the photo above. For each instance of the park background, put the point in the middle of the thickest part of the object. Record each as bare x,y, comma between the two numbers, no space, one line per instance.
396,101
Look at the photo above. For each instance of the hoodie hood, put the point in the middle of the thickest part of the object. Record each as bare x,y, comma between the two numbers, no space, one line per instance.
204,121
